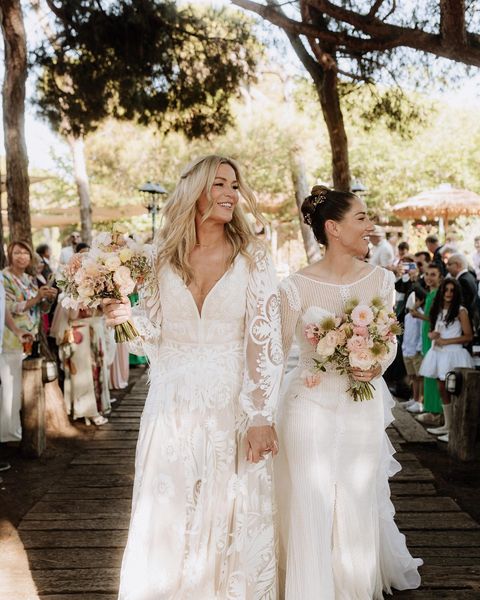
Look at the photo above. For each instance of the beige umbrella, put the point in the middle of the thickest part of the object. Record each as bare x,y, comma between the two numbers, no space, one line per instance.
443,202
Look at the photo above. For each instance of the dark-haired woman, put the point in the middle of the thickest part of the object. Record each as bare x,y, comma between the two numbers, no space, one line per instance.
450,328
338,537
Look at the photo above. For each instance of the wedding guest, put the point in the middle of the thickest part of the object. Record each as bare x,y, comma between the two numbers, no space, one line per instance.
434,247
382,254
68,251
45,253
431,410
26,302
476,257
412,349
450,329
457,266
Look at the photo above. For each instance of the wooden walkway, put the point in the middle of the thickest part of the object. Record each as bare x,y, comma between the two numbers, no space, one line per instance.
75,535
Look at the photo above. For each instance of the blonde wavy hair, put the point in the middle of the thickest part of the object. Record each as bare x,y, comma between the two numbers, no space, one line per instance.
177,236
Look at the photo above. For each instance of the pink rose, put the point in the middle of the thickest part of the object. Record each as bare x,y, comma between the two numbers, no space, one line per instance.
362,315
360,330
357,343
124,282
311,333
361,359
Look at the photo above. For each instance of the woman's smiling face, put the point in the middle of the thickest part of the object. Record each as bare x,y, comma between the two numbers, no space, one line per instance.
224,195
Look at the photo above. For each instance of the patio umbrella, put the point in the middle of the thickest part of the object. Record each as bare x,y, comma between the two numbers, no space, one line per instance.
444,202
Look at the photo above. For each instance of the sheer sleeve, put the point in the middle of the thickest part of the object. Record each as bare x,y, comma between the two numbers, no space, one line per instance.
147,318
263,348
290,308
387,295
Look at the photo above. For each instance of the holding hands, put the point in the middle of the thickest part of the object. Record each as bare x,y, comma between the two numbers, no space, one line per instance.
261,441
360,375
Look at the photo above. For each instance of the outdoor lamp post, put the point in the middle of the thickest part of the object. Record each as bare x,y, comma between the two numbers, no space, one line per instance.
358,187
151,193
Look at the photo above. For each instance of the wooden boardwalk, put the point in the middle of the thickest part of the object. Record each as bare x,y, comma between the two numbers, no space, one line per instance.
75,535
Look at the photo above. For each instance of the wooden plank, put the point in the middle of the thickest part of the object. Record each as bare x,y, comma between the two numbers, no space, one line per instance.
62,581
32,520
88,493
111,444
105,459
89,596
72,481
109,522
414,474
410,429
437,521
427,553
436,595
399,488
115,435
455,577
74,539
79,506
427,504
93,470
73,558
442,539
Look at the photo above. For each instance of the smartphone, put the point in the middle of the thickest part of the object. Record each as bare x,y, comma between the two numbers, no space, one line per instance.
410,266
50,279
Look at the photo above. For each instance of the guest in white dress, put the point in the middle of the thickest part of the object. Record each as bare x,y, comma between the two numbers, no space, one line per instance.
450,330
202,514
338,537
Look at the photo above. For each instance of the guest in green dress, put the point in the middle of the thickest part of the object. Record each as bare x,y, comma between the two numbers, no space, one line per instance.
432,403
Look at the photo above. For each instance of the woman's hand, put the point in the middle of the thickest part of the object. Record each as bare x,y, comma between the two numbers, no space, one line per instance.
261,441
360,375
116,311
439,341
434,335
23,335
45,292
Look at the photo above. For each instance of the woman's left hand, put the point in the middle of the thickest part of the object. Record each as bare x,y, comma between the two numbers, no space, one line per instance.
360,375
439,341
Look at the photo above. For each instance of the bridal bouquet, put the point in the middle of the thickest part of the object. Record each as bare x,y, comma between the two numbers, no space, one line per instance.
110,269
360,339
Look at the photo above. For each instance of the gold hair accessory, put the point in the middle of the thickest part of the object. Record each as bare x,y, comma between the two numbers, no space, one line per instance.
316,199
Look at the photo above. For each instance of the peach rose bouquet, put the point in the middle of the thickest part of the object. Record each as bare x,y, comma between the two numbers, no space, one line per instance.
359,339
111,268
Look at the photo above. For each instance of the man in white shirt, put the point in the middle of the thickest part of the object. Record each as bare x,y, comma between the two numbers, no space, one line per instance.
68,251
382,254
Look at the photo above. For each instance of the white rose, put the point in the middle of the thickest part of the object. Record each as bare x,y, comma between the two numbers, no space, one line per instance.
326,347
125,254
112,262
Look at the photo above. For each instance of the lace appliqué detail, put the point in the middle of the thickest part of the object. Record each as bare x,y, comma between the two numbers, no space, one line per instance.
345,294
292,293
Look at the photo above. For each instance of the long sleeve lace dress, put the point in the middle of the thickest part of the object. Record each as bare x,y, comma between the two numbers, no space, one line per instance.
338,537
202,516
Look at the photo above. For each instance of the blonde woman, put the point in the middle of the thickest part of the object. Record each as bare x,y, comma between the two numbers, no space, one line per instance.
201,524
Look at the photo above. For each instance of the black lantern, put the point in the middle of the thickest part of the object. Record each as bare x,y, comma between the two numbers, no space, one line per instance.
151,193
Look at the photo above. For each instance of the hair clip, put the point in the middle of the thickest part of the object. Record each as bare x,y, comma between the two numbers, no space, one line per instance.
316,200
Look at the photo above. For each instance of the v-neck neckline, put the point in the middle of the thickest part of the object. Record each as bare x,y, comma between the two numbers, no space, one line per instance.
199,311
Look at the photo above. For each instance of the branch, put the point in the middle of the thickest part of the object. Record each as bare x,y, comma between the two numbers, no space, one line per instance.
375,8
384,36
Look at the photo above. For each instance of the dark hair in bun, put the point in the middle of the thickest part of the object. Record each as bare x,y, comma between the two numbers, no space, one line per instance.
323,205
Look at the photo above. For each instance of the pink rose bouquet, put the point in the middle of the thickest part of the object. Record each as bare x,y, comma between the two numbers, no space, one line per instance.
360,339
110,269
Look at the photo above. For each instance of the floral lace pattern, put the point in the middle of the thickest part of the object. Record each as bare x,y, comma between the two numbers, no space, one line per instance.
202,517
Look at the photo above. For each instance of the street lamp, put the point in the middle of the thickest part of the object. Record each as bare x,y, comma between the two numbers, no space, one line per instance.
358,187
151,193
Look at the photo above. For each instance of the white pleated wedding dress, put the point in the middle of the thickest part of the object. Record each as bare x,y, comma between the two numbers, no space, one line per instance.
202,517
338,537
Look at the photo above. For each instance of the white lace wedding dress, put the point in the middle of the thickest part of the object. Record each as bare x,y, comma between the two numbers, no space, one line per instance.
338,537
202,516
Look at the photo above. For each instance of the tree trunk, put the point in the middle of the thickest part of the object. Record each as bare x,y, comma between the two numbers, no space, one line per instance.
81,179
300,185
14,120
3,258
332,113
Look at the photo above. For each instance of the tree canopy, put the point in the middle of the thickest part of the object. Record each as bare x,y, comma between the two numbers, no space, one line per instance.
144,60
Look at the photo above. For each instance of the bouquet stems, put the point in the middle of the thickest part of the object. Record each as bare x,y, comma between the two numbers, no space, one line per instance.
361,390
125,332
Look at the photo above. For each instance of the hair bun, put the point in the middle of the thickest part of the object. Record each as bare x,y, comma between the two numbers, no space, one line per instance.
318,195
